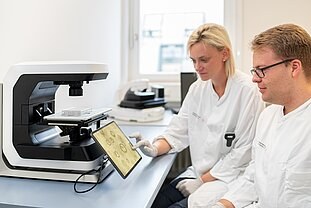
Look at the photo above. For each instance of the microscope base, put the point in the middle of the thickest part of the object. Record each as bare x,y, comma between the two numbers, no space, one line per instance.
57,176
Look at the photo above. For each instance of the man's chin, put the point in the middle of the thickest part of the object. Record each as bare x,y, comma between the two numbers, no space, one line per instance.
265,98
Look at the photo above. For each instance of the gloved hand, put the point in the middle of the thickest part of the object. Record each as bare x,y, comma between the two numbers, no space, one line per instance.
218,205
188,186
144,145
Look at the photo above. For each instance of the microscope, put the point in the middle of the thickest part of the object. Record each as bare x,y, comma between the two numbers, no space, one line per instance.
37,142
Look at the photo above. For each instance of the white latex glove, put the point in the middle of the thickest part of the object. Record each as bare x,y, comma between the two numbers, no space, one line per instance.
144,145
188,186
218,205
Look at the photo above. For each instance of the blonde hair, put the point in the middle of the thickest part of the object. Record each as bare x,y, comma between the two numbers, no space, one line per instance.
287,41
216,36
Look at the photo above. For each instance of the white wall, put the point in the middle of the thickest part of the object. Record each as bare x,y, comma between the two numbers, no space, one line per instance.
261,15
39,30
58,30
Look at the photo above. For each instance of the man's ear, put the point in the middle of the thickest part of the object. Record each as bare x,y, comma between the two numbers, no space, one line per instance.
296,67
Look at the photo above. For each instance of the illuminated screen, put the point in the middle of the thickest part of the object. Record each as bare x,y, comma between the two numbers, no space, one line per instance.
117,147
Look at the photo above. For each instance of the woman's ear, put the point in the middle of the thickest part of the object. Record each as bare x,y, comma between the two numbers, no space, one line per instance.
225,54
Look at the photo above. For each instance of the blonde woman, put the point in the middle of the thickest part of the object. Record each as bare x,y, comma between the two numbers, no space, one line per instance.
217,121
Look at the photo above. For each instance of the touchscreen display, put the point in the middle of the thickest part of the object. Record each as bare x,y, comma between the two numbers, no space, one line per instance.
117,147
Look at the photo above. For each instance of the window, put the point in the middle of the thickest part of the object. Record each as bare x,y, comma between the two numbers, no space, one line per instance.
164,27
156,33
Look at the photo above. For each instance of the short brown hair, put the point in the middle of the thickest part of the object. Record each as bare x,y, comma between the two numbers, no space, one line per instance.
287,41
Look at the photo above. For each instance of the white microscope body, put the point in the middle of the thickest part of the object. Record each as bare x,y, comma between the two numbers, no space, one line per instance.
37,142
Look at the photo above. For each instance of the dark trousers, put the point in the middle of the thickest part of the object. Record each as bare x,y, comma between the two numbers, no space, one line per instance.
171,197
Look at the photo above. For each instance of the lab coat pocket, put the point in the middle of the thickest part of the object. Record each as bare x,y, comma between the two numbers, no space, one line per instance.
298,186
298,179
216,137
196,121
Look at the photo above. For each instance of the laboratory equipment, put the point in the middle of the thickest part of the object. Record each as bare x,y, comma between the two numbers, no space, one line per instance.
36,141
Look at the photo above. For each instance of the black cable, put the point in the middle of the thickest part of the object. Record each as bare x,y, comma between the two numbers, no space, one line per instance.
89,172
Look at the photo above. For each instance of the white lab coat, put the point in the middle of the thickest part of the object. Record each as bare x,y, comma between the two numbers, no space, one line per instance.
280,172
204,119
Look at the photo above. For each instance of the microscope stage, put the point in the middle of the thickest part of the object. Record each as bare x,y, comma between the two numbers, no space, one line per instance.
75,117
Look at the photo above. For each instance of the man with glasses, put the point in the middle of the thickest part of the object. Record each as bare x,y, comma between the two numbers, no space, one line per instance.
279,174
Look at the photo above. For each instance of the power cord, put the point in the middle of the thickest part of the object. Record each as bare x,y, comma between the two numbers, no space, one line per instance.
99,170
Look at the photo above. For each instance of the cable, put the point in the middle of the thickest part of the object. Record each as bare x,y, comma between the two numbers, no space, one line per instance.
89,172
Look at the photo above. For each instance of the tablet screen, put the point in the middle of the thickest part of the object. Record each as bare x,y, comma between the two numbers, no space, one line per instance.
117,147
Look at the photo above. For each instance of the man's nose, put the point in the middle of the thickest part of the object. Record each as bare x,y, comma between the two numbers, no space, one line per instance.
256,78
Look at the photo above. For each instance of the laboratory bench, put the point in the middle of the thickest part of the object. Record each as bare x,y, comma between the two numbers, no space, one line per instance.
139,189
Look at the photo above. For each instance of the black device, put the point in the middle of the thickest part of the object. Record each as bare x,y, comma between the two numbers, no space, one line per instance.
186,79
144,98
117,147
33,99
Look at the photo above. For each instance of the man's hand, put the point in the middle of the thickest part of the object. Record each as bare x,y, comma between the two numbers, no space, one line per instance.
188,186
144,145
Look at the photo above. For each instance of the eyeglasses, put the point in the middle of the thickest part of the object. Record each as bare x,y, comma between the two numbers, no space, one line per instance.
260,71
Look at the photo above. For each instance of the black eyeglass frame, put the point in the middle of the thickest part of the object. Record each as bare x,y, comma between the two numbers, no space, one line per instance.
262,75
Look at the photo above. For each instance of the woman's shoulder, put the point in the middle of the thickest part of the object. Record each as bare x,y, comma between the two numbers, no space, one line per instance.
199,85
243,80
242,77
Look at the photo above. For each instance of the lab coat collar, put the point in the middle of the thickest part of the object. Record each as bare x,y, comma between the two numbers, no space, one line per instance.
295,112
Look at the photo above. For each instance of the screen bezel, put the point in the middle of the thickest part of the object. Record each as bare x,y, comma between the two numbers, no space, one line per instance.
125,138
